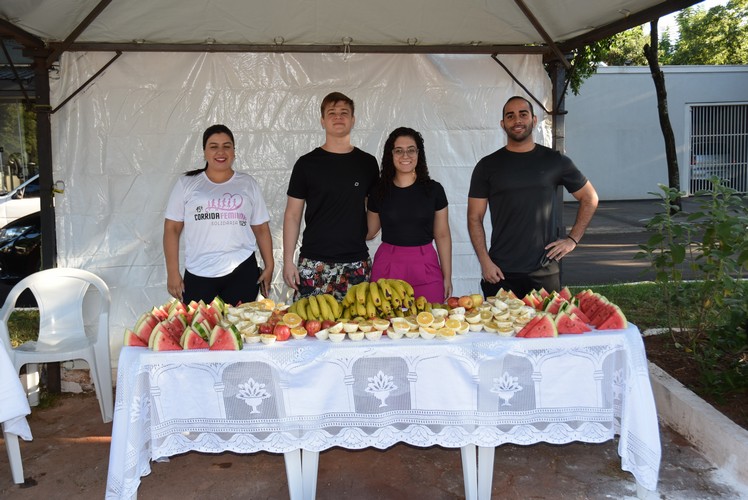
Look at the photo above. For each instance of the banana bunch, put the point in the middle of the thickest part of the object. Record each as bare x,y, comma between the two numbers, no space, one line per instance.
320,307
384,298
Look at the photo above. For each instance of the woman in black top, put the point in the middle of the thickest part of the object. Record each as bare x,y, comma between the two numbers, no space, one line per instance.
411,210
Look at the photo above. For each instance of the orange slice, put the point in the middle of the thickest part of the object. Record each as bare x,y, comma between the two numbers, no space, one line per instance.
292,320
268,304
298,330
424,319
452,324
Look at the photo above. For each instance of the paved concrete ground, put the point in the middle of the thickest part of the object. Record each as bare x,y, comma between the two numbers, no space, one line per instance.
606,253
68,458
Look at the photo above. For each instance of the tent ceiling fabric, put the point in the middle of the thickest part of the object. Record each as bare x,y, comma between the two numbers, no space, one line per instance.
321,22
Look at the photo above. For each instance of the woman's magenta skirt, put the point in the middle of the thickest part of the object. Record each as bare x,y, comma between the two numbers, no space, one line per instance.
419,266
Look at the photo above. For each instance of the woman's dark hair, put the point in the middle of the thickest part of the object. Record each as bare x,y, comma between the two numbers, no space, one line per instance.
387,177
212,130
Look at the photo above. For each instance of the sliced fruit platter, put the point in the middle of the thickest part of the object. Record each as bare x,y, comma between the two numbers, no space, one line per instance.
388,308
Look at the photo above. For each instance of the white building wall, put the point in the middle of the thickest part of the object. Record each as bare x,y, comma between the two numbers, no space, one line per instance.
613,131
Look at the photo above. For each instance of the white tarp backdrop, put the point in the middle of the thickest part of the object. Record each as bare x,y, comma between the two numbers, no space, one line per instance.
120,145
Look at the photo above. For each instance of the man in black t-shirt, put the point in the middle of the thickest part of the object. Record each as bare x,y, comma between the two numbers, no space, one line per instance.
333,182
518,182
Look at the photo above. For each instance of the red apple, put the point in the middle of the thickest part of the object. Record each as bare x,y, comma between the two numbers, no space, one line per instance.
312,327
327,324
465,301
453,302
265,328
281,331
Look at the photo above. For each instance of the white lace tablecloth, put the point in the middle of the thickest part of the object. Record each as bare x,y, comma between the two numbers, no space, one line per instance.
478,389
14,406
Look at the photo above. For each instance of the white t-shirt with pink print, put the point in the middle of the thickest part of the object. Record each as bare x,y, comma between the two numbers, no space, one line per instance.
217,219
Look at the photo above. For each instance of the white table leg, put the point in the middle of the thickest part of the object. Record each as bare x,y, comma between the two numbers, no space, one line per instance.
294,474
469,471
485,471
309,467
14,456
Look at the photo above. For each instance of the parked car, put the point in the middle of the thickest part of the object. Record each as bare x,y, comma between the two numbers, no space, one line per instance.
20,248
21,201
719,157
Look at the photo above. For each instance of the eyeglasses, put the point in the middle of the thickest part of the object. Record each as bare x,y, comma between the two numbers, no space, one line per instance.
411,151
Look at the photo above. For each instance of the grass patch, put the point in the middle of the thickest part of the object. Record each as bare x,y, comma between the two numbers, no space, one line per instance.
23,325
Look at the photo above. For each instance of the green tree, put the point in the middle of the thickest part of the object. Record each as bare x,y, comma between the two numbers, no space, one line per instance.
715,36
17,134
626,48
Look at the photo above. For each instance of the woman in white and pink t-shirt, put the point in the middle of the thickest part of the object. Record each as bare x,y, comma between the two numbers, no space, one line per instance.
224,219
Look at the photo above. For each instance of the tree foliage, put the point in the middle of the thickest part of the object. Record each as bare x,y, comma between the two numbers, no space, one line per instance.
711,37
715,36
17,137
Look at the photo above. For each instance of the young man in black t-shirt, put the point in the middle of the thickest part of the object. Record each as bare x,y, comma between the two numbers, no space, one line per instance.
332,182
518,182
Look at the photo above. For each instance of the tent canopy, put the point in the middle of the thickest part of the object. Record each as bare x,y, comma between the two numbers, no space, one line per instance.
434,26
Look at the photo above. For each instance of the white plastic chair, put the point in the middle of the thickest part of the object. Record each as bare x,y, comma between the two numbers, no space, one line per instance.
63,332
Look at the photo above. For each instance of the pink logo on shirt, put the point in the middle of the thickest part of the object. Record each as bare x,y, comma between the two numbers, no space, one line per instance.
228,202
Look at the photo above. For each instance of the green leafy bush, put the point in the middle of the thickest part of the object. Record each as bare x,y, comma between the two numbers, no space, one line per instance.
712,311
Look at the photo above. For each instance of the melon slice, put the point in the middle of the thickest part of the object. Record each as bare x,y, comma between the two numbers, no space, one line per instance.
570,323
144,327
132,339
192,340
164,341
529,325
532,300
541,325
555,303
223,339
614,321
569,308
544,327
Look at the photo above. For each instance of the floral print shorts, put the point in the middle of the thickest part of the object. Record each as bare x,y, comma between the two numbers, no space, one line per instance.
318,277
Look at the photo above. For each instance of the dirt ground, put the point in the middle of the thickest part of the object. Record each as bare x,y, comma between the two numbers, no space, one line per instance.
69,455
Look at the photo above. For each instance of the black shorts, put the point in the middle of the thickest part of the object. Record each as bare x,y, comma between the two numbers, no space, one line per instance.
237,287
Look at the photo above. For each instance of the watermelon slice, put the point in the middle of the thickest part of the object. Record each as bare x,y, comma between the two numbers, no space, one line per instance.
144,327
555,303
544,327
132,339
570,323
570,308
218,304
541,325
615,321
176,324
160,313
532,300
203,329
543,293
164,341
224,339
164,327
193,340
601,314
565,293
529,325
